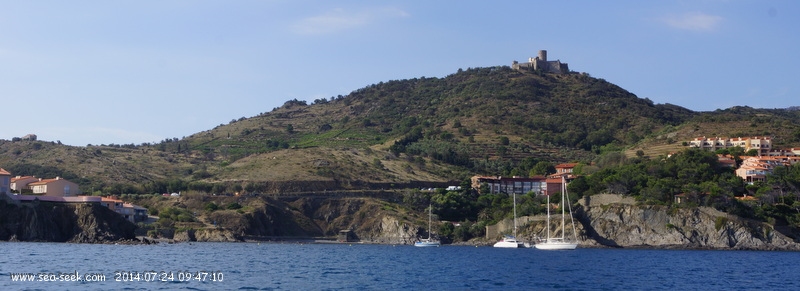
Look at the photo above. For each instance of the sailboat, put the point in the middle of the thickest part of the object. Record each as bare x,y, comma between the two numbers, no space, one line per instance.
509,241
428,242
559,243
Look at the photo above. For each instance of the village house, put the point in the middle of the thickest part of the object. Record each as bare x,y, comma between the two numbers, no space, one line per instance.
753,169
131,212
5,181
793,152
752,174
540,185
554,184
756,169
55,187
564,170
20,183
111,203
60,190
762,144
781,160
512,185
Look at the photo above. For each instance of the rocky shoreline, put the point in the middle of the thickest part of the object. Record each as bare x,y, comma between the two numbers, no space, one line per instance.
602,221
62,222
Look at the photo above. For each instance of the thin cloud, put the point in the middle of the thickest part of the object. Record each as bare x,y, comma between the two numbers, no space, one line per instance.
340,19
694,21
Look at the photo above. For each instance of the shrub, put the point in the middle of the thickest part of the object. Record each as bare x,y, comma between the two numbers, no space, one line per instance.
720,222
210,207
504,140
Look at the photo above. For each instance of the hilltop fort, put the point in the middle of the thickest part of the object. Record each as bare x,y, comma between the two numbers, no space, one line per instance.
540,63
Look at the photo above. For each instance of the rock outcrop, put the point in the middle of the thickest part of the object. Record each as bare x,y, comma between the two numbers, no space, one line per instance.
62,222
207,235
619,221
613,220
368,220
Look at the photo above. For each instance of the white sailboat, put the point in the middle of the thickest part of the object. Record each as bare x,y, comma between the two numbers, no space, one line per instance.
509,241
559,243
428,242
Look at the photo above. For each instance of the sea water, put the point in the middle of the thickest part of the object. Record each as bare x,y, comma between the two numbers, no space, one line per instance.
302,266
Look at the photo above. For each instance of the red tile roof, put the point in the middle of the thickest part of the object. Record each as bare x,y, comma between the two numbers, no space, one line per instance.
566,165
17,178
104,199
3,172
42,182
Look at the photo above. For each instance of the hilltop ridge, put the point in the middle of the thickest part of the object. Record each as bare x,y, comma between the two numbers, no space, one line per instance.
490,121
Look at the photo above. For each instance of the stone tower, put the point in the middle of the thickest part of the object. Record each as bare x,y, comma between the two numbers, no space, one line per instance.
540,63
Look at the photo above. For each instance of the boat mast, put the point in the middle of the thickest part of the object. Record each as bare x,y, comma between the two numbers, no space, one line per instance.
548,217
429,222
515,215
563,194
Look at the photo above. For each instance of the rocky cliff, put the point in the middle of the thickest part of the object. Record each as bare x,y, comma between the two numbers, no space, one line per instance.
370,220
618,221
601,220
367,219
615,221
62,222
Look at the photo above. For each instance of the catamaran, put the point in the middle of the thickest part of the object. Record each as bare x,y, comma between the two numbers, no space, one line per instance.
559,243
428,242
509,241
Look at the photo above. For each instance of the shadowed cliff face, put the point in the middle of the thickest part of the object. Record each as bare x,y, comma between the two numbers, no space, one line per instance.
369,219
62,222
624,224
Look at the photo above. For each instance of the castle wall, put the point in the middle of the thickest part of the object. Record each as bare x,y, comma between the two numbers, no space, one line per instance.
540,63
564,68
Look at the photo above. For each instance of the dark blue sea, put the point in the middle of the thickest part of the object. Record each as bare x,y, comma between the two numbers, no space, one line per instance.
295,266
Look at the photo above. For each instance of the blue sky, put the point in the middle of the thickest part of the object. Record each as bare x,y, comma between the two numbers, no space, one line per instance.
101,72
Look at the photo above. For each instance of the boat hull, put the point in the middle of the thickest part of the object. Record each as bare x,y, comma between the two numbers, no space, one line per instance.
554,246
508,244
427,244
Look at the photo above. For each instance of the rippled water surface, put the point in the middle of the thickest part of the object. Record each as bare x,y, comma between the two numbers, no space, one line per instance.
273,266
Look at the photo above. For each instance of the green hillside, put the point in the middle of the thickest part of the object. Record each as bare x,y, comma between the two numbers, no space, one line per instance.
492,121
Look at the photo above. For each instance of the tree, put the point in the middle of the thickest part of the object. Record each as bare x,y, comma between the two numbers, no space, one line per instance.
784,179
543,168
504,140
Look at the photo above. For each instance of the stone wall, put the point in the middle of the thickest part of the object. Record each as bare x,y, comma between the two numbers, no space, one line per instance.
606,199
